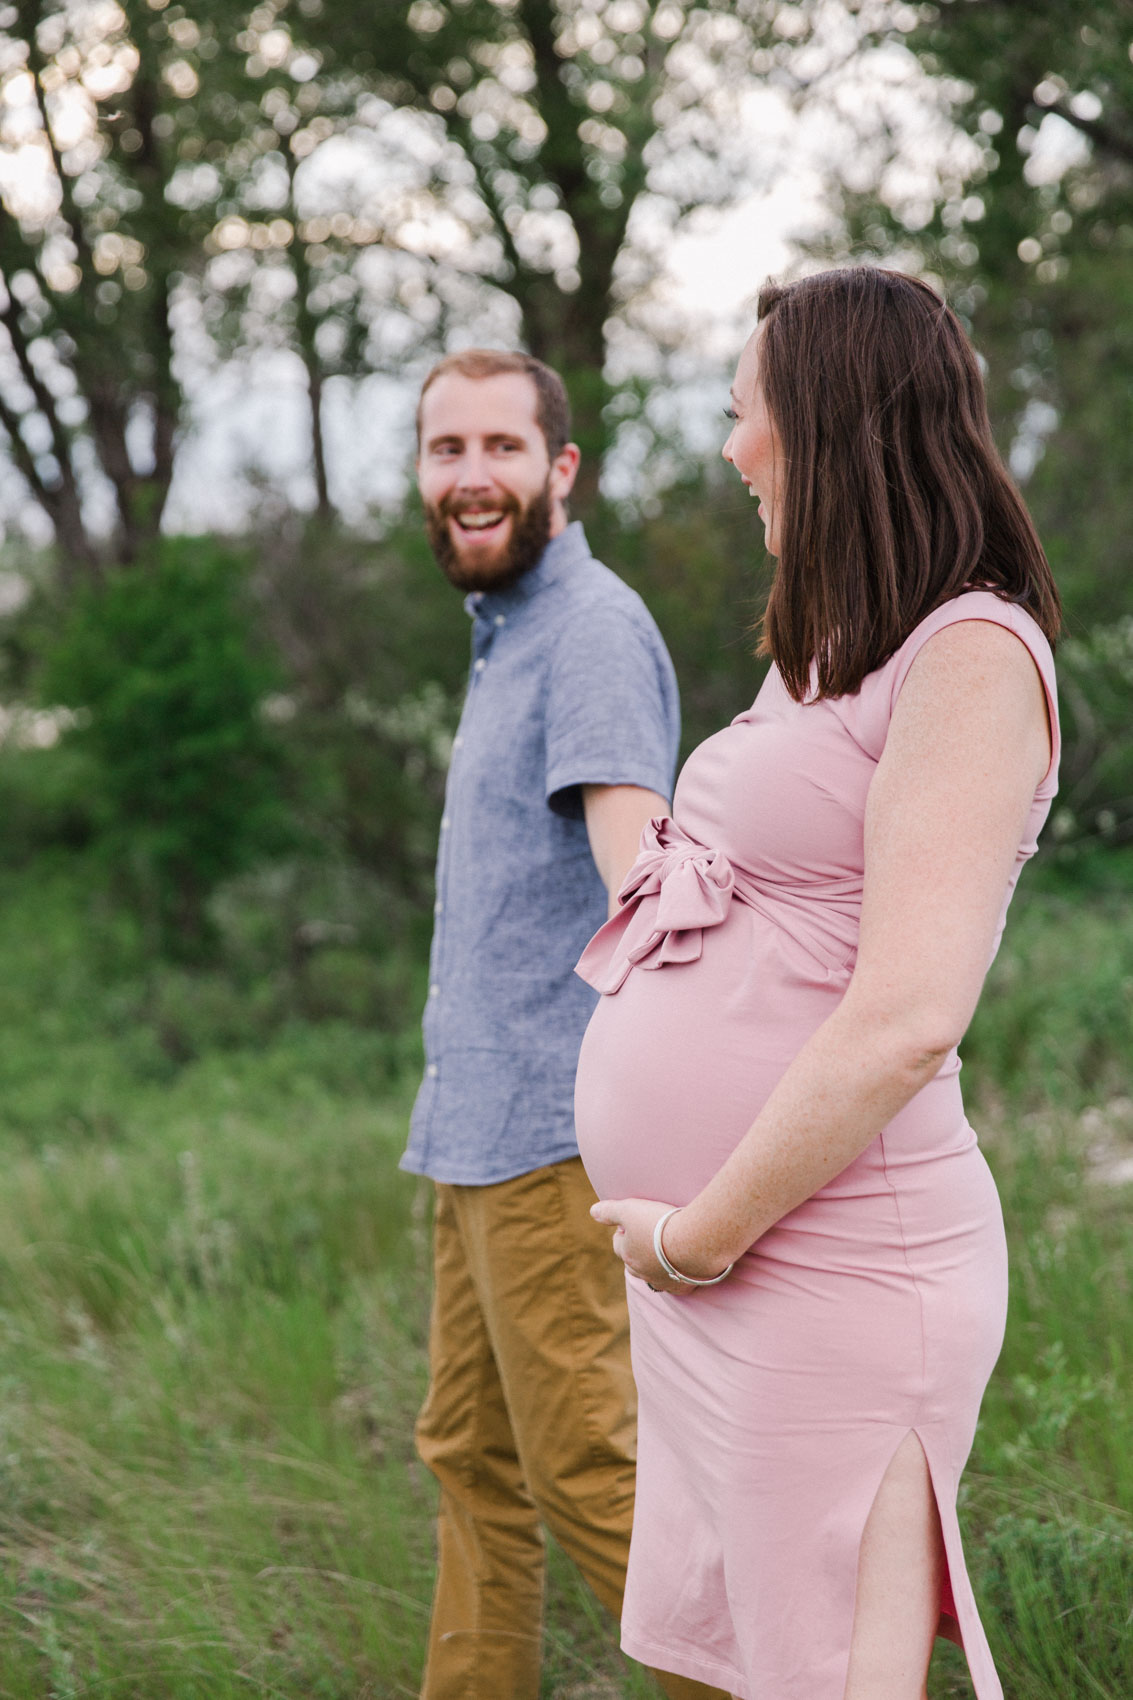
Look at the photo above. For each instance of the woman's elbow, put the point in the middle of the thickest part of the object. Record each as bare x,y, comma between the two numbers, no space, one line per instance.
917,1039
926,1039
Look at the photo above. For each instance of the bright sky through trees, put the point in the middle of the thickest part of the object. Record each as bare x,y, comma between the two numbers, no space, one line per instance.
319,189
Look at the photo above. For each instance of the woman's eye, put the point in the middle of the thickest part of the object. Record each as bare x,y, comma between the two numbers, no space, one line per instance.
730,413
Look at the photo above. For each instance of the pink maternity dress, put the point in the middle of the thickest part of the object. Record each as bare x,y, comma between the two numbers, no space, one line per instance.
771,1406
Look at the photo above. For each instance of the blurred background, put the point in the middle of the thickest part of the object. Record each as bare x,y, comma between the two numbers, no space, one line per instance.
232,241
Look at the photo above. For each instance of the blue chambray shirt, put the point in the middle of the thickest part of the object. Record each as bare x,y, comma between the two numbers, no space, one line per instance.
570,685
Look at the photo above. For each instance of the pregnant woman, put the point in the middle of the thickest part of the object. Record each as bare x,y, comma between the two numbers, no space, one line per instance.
768,1095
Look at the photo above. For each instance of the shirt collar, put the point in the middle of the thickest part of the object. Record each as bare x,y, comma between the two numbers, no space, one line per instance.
562,554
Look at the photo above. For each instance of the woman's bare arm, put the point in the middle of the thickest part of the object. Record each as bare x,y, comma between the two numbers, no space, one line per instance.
967,746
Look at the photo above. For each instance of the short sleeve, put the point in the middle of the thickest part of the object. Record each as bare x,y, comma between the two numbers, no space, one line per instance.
612,712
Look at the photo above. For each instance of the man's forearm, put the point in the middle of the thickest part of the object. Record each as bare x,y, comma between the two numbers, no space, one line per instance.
615,816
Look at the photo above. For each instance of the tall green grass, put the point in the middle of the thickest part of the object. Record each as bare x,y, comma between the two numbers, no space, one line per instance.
214,1288
210,1352
213,1307
1048,1498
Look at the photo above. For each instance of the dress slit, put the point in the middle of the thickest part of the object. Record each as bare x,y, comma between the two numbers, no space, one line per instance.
959,1617
962,1624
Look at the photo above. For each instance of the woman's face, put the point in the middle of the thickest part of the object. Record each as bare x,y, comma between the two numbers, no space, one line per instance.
752,445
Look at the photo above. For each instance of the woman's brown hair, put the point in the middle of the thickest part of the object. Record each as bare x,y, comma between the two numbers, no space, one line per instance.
894,497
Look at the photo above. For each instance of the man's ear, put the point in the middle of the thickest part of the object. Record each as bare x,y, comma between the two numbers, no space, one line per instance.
564,471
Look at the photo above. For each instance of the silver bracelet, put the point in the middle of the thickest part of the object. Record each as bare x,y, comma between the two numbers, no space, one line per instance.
675,1274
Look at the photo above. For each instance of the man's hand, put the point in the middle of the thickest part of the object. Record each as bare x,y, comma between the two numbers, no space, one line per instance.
615,816
634,1220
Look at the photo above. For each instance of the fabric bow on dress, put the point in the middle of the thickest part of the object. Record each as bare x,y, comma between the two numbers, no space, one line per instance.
694,887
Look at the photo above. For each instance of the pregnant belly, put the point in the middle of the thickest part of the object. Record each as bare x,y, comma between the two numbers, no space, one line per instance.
675,1066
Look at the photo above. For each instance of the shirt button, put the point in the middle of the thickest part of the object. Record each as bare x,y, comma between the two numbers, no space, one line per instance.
434,991
431,1071
444,823
480,665
501,619
457,741
438,907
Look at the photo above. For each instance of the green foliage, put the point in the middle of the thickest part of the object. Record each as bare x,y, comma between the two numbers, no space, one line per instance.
99,328
598,108
700,566
1055,1022
1095,682
159,666
1036,1574
186,127
1079,360
374,646
47,801
214,1301
1033,238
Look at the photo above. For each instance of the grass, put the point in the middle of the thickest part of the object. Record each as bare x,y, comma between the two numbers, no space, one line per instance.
213,1309
213,1306
211,1350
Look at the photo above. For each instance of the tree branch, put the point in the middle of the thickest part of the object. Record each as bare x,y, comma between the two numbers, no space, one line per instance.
167,396
31,15
24,458
305,333
520,269
562,155
66,509
106,413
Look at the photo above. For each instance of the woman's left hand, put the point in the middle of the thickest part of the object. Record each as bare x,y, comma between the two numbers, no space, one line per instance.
633,1221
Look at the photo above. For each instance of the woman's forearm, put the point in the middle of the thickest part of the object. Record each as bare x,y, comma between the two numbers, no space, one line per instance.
948,807
849,1080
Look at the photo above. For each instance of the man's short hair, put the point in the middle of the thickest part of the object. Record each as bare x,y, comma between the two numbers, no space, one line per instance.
552,409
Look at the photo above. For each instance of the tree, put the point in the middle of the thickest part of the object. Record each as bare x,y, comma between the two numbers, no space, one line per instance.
278,271
1056,251
91,252
535,156
579,136
1028,222
1031,228
168,681
140,140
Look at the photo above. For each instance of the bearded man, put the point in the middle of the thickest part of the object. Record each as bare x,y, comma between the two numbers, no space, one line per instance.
566,747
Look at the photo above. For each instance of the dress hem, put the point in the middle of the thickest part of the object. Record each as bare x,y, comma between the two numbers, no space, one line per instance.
694,1666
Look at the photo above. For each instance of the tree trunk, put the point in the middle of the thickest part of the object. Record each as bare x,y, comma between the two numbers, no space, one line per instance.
567,333
306,327
323,509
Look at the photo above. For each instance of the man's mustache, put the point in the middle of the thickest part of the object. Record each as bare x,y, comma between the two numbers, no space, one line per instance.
451,507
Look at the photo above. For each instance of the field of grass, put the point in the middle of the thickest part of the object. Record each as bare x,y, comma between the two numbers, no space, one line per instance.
213,1305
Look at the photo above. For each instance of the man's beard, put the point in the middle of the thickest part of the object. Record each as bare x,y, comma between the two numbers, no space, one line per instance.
529,535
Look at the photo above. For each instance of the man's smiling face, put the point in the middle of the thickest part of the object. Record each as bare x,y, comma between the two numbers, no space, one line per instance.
492,495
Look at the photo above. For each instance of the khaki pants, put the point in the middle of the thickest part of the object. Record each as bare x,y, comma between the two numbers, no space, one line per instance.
530,1419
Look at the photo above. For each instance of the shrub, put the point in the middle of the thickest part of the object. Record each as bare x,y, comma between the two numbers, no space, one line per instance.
1095,676
375,646
160,664
47,801
1055,1021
